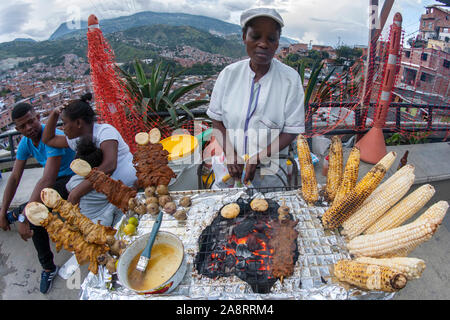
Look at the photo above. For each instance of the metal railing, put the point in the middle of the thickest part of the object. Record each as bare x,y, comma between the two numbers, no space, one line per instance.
397,125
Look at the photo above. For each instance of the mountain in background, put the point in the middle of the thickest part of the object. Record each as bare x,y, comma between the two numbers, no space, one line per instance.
145,42
148,18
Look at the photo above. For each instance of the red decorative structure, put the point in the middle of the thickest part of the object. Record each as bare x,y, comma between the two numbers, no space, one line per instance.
372,146
111,98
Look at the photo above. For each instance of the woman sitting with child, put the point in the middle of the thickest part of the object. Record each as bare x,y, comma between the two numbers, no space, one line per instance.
79,121
93,205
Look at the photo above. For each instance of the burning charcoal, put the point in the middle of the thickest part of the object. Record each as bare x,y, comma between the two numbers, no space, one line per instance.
253,266
244,228
260,227
242,251
240,265
233,245
262,237
230,261
252,243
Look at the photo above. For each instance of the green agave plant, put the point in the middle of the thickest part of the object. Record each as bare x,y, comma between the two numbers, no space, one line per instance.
315,91
155,93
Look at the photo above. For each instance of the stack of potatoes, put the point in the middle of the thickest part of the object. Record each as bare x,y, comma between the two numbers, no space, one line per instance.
372,215
158,198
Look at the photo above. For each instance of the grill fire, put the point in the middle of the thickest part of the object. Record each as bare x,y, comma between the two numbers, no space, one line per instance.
241,247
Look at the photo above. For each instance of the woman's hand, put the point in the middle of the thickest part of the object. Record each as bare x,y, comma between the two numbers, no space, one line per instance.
74,197
235,170
57,111
24,230
250,168
235,166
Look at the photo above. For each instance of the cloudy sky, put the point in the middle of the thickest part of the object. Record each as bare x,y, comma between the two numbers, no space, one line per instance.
320,21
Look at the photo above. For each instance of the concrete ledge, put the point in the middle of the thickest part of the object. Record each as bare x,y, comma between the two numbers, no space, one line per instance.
29,179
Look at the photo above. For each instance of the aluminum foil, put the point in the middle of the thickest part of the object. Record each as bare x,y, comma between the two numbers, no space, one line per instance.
313,276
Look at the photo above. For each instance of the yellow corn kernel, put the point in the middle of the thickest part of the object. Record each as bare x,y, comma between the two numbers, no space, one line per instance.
309,188
403,210
412,268
402,240
335,169
369,276
395,176
365,216
350,176
339,212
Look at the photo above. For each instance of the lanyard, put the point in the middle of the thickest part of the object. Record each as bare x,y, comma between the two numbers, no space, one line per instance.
250,112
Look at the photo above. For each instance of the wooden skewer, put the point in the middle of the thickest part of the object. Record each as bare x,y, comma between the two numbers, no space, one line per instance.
281,279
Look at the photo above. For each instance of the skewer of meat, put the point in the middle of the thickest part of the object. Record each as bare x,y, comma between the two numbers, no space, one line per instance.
151,160
115,190
282,241
65,235
92,232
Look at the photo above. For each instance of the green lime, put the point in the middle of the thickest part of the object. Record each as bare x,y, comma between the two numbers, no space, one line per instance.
133,220
129,229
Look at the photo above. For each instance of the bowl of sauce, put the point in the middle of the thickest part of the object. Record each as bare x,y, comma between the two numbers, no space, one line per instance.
165,270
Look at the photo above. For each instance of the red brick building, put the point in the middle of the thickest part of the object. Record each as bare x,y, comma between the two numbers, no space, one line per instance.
435,24
425,71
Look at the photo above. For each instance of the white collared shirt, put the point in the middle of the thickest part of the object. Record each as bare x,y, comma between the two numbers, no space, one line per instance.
280,105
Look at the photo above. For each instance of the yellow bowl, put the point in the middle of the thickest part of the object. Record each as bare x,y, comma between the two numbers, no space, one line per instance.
179,146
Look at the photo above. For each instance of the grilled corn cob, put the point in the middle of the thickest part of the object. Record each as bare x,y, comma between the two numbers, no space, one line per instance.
436,212
402,240
388,160
308,176
339,212
350,176
369,276
412,268
403,210
395,176
381,203
335,169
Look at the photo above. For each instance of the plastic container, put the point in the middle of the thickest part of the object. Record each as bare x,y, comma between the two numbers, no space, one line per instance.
184,159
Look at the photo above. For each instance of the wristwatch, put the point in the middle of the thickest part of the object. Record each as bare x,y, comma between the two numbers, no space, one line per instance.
21,217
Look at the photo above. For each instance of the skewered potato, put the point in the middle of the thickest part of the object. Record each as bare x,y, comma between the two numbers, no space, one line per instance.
162,190
149,191
230,211
154,135
259,205
164,199
170,207
180,214
153,208
185,202
142,138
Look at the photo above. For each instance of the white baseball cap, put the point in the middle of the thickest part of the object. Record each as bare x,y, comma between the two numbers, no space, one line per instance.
249,14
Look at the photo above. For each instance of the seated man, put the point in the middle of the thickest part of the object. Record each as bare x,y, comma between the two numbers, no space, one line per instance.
57,172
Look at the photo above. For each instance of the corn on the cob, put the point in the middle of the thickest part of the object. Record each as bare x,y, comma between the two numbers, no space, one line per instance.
365,216
339,212
403,210
335,169
369,276
309,189
412,268
402,240
436,212
388,159
395,176
350,176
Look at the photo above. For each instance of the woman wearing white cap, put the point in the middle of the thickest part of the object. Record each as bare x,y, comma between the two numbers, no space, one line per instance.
257,104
